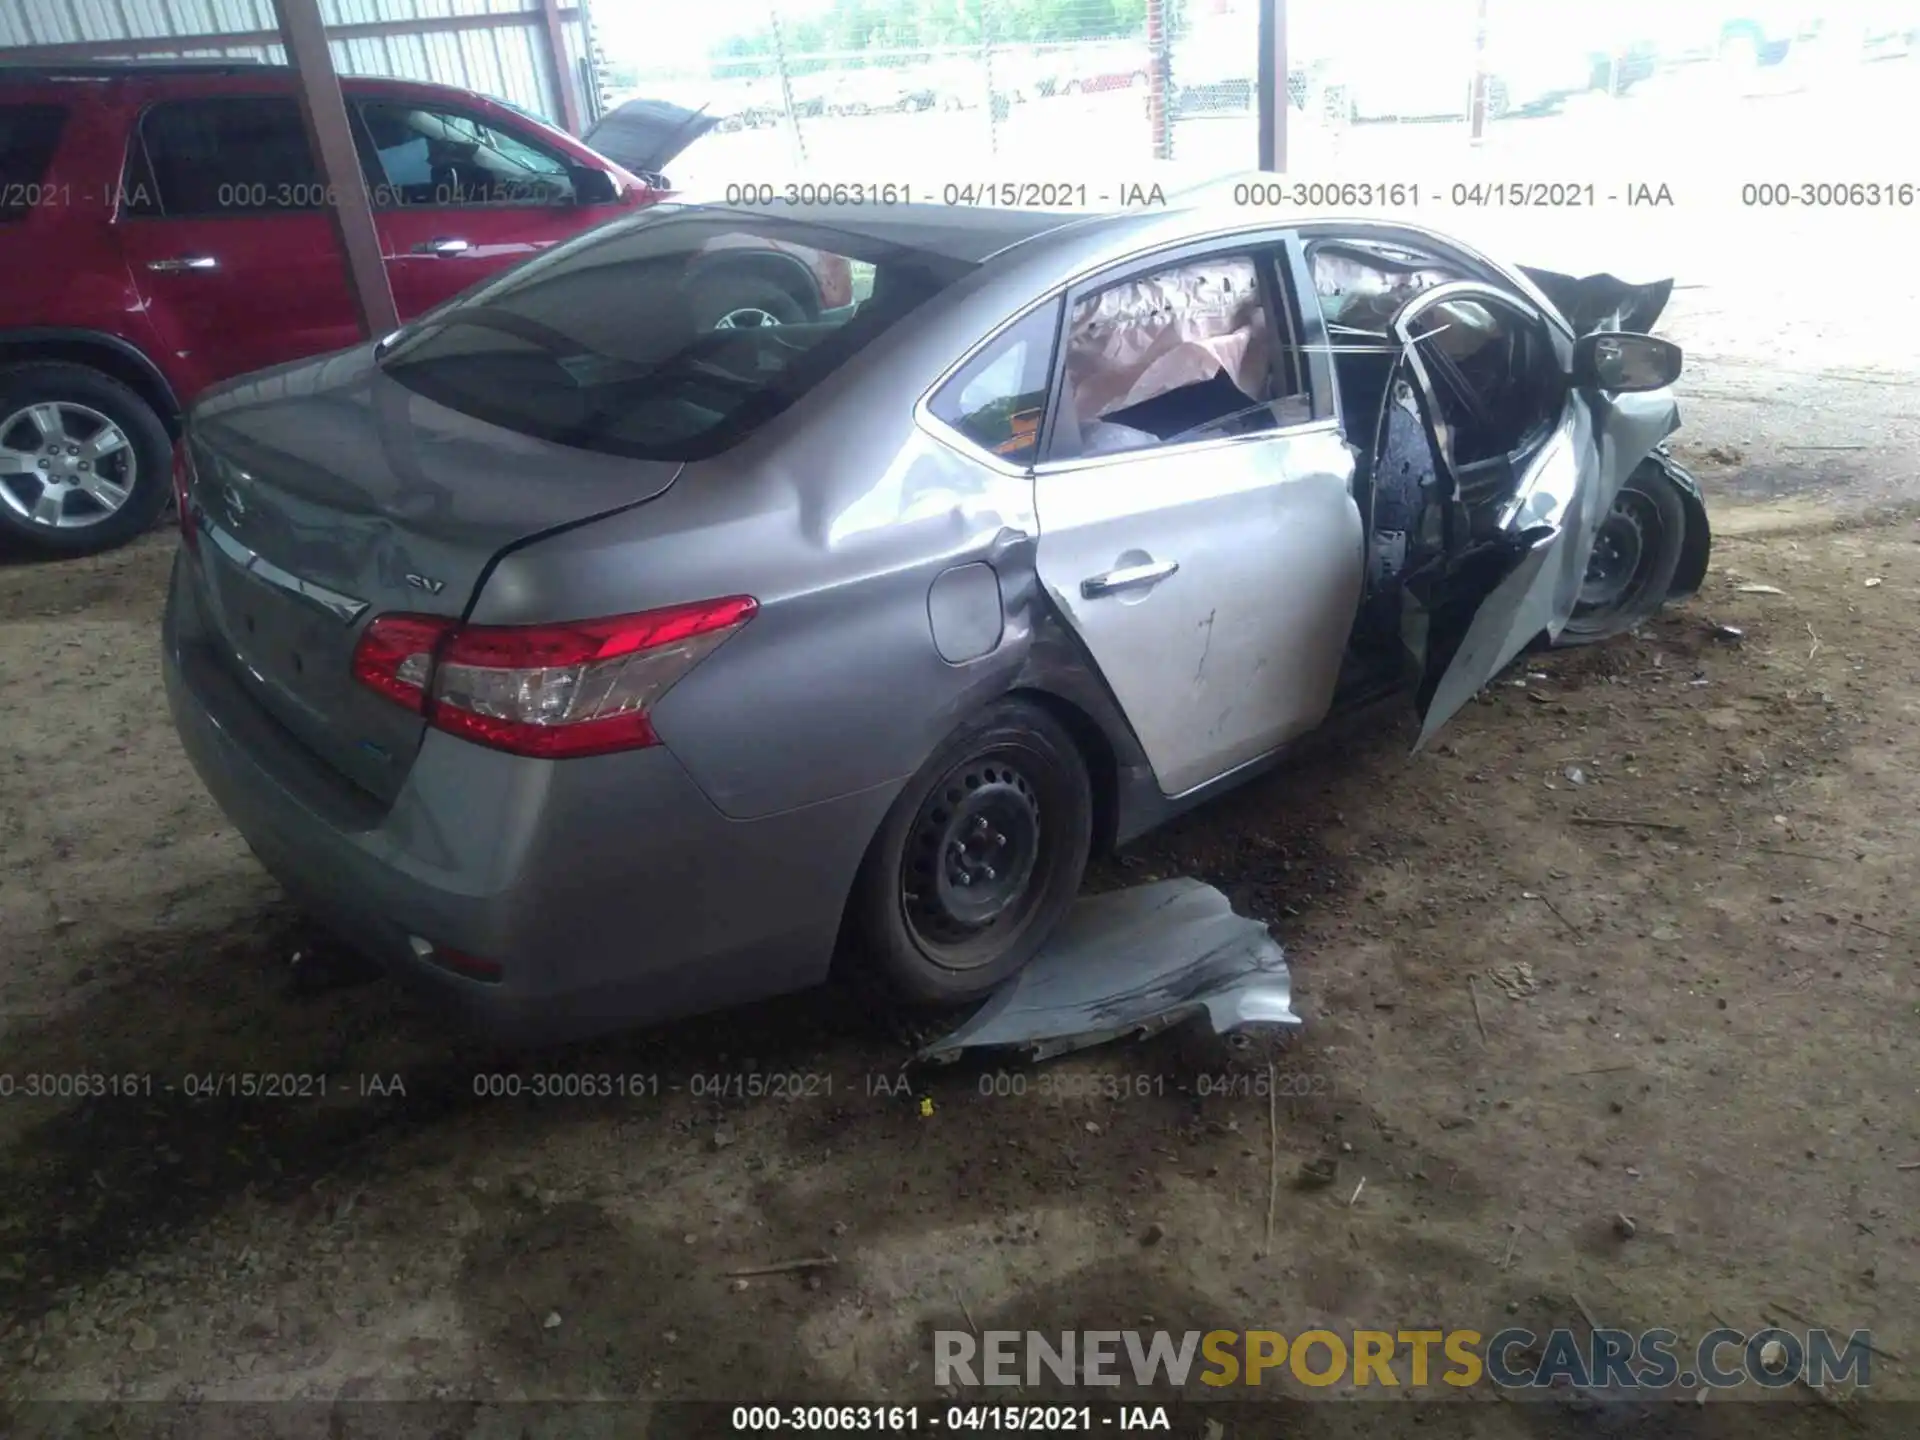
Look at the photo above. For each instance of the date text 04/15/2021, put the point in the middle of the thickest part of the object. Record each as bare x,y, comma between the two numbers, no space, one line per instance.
954,1419
198,1085
1084,1085
970,194
1275,193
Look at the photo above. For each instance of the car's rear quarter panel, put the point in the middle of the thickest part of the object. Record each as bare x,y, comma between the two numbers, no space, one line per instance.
610,886
838,518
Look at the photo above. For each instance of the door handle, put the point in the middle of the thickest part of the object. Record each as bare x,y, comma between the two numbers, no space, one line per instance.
1133,577
446,245
183,264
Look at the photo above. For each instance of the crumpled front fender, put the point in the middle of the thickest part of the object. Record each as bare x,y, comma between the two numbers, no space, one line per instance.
1603,302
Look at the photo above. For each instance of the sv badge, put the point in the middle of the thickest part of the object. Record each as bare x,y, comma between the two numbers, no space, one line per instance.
426,583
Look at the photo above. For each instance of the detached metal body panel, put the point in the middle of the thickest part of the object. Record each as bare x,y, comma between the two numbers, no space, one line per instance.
1130,963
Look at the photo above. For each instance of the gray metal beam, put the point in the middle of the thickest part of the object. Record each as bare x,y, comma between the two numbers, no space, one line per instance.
1477,97
325,111
563,87
1275,101
237,39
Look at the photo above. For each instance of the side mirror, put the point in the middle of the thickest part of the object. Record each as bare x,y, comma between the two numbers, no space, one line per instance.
1614,360
592,187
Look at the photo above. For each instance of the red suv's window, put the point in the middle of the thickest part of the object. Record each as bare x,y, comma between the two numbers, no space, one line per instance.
229,157
28,135
440,157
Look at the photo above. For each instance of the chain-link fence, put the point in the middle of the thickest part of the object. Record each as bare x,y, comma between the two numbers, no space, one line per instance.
877,91
895,90
1619,86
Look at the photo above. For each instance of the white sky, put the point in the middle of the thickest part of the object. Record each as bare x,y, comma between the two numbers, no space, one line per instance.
632,30
637,31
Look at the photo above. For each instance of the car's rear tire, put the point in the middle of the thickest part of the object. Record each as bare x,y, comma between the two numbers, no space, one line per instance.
978,860
85,463
739,301
1635,556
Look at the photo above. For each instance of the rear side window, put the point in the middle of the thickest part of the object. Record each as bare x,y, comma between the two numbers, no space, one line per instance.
671,336
228,157
999,397
28,135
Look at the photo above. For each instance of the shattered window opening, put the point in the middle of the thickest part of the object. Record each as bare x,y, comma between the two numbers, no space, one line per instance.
1495,383
1172,356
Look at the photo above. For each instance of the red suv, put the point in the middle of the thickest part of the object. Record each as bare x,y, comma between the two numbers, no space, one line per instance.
165,227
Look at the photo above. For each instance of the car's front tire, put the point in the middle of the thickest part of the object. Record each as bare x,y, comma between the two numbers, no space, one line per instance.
85,463
1635,556
978,860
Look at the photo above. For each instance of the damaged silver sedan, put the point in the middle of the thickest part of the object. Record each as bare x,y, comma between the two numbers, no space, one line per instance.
595,664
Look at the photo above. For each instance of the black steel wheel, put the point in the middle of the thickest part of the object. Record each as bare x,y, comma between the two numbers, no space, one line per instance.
970,857
1635,555
978,860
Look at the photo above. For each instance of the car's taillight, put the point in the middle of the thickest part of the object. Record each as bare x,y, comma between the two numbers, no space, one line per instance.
183,496
395,656
458,961
555,691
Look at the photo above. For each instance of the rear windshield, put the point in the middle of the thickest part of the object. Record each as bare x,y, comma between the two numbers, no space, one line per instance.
668,337
28,134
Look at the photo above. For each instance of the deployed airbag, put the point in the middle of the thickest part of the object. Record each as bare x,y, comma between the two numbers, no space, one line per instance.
1145,338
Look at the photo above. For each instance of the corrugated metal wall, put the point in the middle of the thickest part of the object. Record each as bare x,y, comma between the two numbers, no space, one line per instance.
509,61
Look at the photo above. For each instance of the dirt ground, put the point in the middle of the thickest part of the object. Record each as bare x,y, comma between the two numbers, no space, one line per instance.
1524,1018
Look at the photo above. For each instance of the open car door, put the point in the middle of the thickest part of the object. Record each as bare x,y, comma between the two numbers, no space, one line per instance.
1518,466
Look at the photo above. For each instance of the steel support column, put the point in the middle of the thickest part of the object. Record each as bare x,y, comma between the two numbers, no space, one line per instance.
1159,86
563,86
1275,100
325,111
1477,97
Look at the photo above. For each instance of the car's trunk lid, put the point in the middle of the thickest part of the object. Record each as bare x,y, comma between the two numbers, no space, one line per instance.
326,494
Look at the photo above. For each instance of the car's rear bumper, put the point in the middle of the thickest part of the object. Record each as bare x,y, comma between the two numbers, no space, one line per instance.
608,890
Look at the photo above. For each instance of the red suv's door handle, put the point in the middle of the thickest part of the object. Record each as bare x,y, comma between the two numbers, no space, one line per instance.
184,263
446,245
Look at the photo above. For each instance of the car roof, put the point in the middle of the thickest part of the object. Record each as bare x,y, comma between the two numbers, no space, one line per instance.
970,235
26,70
212,78
1049,246
1074,239
977,234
